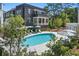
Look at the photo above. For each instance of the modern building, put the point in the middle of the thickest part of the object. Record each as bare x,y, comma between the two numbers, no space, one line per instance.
1,15
32,15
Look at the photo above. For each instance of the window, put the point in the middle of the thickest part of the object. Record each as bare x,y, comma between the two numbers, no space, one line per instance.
46,20
39,20
43,20
26,11
29,11
29,19
18,11
36,13
42,13
34,20
7,14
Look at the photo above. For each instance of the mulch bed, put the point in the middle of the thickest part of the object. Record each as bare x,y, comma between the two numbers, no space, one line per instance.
56,30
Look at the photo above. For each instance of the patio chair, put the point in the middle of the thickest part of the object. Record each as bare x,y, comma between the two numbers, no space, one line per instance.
39,30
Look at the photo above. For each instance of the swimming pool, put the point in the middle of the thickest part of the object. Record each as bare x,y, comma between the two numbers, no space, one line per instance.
37,39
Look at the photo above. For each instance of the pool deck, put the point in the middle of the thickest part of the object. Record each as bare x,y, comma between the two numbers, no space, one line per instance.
39,48
42,47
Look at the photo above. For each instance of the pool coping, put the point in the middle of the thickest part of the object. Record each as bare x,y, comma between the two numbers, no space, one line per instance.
36,47
55,33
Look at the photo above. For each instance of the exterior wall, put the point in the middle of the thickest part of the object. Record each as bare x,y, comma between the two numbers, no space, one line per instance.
40,21
28,13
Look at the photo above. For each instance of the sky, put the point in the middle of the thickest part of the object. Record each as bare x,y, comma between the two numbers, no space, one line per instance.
8,6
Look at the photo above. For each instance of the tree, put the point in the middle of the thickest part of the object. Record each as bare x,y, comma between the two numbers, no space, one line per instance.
47,53
50,24
71,13
77,31
57,49
53,9
13,29
64,18
57,23
68,48
1,31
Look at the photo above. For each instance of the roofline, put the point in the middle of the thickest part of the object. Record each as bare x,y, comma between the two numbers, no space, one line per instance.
24,4
30,6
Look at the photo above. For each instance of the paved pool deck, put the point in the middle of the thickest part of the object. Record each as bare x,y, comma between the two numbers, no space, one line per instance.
42,47
38,48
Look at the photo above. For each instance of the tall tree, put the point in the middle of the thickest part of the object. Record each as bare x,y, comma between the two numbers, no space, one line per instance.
72,14
53,9
57,23
13,29
50,24
64,18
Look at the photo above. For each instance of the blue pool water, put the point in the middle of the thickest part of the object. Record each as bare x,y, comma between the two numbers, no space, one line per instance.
37,39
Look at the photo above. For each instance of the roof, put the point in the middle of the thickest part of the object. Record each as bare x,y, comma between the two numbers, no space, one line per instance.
25,5
30,6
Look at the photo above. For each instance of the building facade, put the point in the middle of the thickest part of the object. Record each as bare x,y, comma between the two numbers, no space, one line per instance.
32,15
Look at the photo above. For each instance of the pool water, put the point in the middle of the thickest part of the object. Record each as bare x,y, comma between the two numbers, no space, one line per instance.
37,39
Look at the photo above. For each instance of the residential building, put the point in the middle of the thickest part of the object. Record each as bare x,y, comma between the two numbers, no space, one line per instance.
32,15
